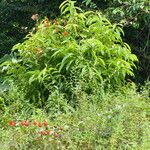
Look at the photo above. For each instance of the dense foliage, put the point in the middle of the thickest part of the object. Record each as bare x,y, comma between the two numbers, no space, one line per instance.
120,121
80,49
64,85
133,15
16,22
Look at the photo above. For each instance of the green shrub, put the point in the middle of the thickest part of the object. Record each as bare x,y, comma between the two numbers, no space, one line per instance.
134,16
78,51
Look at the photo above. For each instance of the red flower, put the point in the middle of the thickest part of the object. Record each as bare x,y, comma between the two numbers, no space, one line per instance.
46,22
24,123
35,123
55,22
12,123
48,132
56,135
45,123
41,133
35,17
39,124
65,33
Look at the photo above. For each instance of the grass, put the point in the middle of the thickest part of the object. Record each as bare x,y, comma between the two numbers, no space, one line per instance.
119,121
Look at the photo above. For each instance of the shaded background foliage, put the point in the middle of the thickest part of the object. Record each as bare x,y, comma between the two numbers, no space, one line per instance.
16,22
16,19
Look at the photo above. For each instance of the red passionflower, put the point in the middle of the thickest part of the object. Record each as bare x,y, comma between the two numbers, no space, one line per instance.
12,123
25,123
35,123
56,22
39,124
22,123
56,135
48,132
41,133
65,33
46,22
45,123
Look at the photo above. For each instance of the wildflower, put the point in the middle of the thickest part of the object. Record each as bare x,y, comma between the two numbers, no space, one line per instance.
41,133
25,123
46,22
22,123
56,135
12,123
39,124
55,22
65,33
35,17
59,128
35,123
45,123
48,132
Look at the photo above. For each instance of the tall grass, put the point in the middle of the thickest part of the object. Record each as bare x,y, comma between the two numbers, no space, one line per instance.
119,121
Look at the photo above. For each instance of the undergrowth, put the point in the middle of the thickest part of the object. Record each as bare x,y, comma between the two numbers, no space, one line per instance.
118,121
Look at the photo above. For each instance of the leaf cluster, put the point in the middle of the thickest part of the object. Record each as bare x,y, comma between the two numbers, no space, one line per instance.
79,49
